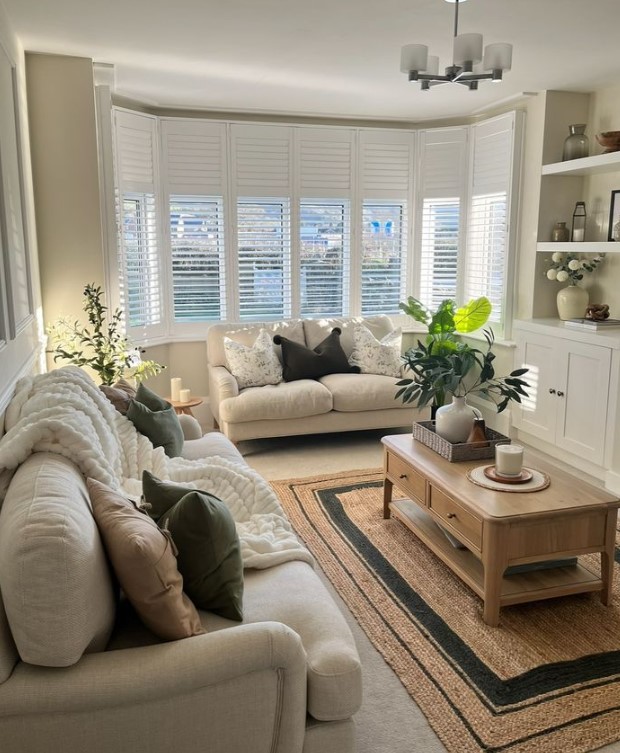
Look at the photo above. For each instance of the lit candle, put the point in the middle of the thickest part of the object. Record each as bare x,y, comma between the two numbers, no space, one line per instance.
185,396
508,459
175,389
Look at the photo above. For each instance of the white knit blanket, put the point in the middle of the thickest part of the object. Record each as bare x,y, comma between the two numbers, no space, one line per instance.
64,412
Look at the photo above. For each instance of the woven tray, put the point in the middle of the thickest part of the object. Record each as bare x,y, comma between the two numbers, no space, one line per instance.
424,431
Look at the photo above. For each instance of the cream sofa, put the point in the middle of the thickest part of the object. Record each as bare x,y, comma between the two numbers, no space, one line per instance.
286,680
337,402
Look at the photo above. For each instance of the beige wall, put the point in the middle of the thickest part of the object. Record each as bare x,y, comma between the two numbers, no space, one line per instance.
66,180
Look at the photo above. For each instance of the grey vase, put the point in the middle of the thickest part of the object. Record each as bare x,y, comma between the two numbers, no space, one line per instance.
576,145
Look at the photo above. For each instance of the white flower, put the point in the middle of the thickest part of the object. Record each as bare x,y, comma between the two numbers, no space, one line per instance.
574,264
562,276
583,264
557,257
551,274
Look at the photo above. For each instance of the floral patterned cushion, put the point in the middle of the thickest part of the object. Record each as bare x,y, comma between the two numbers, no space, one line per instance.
253,366
377,356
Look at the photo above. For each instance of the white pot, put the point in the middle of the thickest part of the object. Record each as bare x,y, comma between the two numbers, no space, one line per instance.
454,422
572,302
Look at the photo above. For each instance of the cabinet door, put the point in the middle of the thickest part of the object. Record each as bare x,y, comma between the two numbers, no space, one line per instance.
582,400
537,413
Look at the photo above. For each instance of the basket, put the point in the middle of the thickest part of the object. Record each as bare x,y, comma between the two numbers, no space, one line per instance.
424,431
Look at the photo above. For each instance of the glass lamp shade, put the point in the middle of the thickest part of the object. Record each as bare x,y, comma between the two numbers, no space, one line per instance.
413,57
497,57
467,47
432,66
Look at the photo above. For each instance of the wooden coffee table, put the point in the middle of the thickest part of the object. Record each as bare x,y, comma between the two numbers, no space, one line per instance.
501,529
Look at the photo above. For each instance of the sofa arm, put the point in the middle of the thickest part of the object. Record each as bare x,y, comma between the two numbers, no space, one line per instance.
222,385
238,689
190,426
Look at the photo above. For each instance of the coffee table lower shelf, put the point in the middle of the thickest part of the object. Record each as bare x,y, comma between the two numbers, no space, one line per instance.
515,589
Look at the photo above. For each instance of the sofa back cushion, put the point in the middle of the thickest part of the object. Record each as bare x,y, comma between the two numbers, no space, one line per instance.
246,334
316,330
54,576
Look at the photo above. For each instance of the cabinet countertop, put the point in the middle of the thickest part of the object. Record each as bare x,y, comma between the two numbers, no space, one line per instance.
608,338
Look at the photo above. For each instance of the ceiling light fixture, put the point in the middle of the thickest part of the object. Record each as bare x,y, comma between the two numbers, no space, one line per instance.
467,51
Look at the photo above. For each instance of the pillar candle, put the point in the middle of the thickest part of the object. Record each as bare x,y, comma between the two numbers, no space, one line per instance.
185,396
508,459
175,389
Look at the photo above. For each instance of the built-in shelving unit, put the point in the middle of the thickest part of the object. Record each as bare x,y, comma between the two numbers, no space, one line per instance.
600,163
587,247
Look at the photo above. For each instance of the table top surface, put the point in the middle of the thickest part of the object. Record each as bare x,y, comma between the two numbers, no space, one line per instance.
191,403
565,493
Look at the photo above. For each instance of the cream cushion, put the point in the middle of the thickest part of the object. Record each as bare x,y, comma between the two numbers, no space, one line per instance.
54,577
377,356
298,399
246,334
316,330
362,392
253,365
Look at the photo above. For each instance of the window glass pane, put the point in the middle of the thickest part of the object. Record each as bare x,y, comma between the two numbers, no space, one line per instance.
383,257
324,258
197,248
439,251
264,274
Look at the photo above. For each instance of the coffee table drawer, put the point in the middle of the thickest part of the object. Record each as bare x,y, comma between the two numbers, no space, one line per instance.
408,480
456,517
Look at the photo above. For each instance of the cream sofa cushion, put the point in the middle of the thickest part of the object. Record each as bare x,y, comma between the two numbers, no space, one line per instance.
316,330
246,334
362,392
54,576
253,365
374,356
298,399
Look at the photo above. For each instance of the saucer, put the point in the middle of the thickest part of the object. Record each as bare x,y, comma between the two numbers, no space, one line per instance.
525,476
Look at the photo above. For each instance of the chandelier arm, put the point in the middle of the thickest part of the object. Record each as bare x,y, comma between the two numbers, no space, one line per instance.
432,77
473,77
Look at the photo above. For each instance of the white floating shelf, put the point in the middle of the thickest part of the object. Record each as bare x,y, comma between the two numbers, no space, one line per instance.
587,247
600,163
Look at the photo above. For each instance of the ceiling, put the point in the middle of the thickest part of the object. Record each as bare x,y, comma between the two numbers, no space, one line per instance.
335,58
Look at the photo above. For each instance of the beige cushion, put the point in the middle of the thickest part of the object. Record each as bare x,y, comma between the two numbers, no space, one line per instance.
54,577
374,356
246,334
362,392
303,397
316,330
145,564
253,365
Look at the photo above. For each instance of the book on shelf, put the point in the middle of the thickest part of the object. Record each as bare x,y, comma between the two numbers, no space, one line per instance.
592,324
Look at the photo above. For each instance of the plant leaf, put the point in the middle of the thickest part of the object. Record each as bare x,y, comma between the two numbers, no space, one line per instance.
473,315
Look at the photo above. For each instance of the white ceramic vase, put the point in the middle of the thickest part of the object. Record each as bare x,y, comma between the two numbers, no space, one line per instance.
454,421
572,302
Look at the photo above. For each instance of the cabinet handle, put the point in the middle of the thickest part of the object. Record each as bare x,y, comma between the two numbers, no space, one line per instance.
451,515
551,391
560,394
403,475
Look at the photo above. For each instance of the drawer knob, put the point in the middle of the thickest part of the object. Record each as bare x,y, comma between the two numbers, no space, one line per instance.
551,391
451,515
403,475
560,394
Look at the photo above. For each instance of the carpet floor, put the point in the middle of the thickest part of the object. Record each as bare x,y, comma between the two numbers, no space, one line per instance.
548,679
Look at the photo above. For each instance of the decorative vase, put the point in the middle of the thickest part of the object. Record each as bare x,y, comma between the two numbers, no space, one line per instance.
572,302
560,233
453,422
576,145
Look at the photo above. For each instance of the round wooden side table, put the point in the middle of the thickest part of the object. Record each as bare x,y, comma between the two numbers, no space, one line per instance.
186,407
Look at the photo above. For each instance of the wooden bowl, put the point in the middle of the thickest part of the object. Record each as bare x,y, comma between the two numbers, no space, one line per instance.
609,140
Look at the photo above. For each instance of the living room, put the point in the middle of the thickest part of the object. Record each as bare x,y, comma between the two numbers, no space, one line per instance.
317,151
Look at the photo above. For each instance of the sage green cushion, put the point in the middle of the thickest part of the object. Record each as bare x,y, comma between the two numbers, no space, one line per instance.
149,398
162,427
204,533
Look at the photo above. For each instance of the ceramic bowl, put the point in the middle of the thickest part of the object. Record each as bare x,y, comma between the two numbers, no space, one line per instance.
609,140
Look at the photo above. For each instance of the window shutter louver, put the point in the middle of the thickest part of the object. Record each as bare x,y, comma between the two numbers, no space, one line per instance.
262,160
324,159
487,239
140,264
442,181
194,155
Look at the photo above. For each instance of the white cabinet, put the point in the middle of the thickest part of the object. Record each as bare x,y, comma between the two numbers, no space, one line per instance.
568,398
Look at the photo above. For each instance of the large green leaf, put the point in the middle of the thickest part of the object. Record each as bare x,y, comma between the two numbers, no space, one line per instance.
473,315
443,319
415,309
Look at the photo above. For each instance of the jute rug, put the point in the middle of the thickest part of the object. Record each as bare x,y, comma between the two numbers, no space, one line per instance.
548,679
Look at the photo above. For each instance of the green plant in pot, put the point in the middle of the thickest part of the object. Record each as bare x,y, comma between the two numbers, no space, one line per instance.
442,365
103,347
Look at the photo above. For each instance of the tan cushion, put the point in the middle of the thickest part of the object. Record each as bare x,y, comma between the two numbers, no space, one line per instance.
361,392
303,397
246,334
145,564
54,576
316,330
293,594
120,394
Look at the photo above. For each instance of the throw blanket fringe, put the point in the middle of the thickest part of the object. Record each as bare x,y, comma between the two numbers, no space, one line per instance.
64,412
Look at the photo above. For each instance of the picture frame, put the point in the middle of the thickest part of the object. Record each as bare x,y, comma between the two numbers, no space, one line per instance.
614,215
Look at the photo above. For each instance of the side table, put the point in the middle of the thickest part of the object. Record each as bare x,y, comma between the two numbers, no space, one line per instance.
186,407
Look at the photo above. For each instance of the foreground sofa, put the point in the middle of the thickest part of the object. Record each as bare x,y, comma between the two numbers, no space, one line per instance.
286,680
336,402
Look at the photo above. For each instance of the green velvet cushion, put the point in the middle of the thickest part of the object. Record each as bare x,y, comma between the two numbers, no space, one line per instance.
149,398
162,427
300,362
204,533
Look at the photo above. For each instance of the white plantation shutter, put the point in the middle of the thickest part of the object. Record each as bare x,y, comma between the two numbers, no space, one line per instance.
386,186
262,160
442,184
141,282
194,178
487,260
324,160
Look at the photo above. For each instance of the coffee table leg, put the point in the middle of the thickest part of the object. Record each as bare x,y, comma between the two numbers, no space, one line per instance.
387,497
494,566
607,557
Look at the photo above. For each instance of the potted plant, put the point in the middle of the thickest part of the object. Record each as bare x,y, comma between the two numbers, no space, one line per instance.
103,347
443,365
572,300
